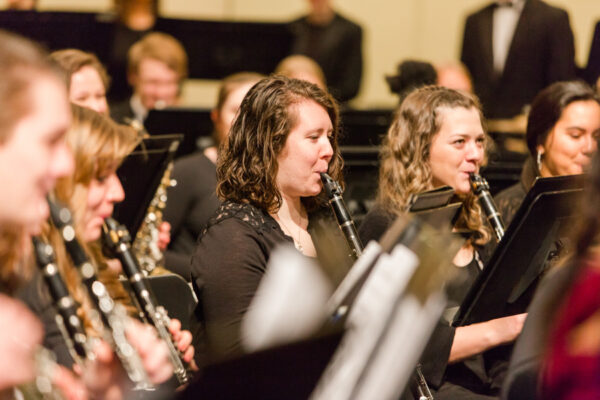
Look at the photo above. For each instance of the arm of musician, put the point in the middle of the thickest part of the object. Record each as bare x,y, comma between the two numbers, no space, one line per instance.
164,235
183,341
477,338
20,334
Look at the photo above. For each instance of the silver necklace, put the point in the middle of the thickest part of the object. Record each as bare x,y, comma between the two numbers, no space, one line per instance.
296,241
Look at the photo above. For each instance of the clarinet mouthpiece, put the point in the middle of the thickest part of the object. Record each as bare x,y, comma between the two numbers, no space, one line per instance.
332,188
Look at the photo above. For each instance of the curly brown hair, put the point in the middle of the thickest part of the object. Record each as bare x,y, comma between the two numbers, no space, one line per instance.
247,166
405,168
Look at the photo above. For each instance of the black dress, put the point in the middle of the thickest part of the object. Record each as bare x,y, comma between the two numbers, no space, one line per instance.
463,380
228,264
190,204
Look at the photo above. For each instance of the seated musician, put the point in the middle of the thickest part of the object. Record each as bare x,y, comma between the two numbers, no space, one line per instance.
33,155
268,179
437,138
157,67
562,126
193,200
98,145
87,79
572,363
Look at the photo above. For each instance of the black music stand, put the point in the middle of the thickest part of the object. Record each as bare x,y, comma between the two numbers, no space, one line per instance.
140,175
173,293
537,236
194,123
62,30
220,48
289,371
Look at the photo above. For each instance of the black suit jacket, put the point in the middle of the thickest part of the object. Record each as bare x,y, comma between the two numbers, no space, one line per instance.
592,71
542,51
337,48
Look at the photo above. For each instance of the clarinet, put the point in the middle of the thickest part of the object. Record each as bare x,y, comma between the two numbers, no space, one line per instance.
111,315
68,322
344,220
117,239
482,190
346,224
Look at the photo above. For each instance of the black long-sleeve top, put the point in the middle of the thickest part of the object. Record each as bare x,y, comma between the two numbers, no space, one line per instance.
229,262
190,204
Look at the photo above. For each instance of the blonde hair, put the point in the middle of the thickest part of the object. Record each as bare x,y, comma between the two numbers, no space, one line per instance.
162,47
299,66
99,145
72,60
405,166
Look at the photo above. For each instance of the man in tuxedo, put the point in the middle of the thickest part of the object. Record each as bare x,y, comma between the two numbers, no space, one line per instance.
515,48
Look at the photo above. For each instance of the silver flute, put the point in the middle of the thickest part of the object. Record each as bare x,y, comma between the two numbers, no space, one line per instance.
110,317
118,241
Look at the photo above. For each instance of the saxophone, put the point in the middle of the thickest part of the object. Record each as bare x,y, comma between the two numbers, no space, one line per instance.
145,246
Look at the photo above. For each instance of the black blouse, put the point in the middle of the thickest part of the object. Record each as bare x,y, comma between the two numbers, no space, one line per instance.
230,260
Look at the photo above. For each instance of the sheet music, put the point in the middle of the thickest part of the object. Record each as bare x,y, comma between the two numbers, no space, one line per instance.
356,273
399,350
366,323
288,304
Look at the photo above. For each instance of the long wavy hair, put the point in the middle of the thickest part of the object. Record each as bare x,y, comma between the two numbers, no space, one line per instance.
405,167
99,145
247,166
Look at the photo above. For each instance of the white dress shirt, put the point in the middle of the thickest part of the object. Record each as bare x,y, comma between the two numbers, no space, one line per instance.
506,17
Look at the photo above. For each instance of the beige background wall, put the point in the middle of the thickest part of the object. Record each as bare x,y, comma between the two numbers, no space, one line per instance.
393,30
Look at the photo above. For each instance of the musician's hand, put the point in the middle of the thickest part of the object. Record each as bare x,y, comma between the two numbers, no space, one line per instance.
153,351
506,329
164,235
70,386
114,265
104,377
20,335
183,341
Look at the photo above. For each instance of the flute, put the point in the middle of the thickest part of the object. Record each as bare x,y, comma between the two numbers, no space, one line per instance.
110,315
117,239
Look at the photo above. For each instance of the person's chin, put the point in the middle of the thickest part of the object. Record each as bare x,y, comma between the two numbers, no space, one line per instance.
93,232
462,188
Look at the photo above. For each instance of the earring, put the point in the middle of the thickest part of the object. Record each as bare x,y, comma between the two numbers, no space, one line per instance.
539,161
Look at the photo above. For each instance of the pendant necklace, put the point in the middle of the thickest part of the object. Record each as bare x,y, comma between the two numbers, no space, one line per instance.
296,241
